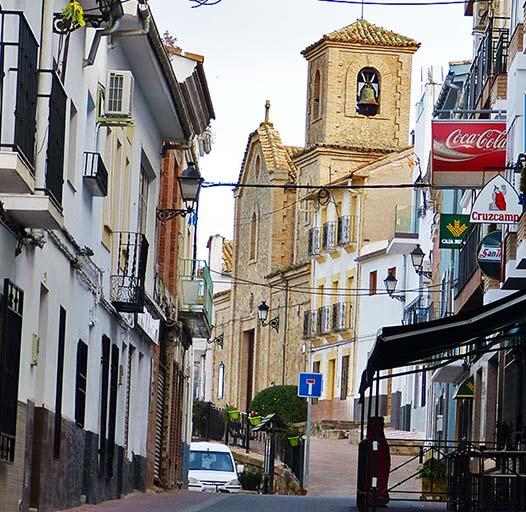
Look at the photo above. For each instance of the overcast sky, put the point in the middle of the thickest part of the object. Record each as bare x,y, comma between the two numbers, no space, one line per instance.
252,53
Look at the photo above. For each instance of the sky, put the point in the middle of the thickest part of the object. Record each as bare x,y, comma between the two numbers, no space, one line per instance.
252,53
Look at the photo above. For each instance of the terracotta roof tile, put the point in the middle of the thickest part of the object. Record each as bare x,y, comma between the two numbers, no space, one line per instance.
365,33
228,256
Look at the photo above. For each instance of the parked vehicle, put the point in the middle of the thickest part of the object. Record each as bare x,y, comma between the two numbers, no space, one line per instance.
213,469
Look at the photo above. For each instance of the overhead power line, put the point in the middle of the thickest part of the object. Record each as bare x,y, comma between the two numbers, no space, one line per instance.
388,4
294,186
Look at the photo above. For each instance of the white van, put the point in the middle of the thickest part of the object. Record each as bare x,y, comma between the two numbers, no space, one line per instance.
213,469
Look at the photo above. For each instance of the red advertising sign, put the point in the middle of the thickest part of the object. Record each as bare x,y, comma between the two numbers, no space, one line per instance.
467,153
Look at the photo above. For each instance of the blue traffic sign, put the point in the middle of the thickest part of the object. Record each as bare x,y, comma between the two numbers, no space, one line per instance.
309,385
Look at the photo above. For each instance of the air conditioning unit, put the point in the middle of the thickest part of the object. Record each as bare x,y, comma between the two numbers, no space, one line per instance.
119,94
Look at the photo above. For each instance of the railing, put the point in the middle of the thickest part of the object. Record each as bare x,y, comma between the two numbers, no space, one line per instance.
324,318
314,241
467,263
341,316
310,324
490,60
420,310
95,174
18,85
347,232
56,140
130,251
196,297
329,236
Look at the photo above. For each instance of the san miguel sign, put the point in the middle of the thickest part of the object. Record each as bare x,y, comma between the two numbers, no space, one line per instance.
467,153
497,202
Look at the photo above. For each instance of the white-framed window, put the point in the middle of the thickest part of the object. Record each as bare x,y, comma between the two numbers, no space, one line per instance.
221,381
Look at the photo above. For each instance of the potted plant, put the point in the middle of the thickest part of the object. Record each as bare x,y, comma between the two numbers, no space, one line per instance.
233,413
434,478
294,440
254,418
73,15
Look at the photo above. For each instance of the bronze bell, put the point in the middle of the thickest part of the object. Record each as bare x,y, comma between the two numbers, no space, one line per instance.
367,104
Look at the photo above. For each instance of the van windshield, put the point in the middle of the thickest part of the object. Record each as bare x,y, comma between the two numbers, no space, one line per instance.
211,461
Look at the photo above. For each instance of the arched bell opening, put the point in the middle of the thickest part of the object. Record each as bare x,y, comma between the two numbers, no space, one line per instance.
368,92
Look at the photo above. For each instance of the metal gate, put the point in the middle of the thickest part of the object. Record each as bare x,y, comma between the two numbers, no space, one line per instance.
159,421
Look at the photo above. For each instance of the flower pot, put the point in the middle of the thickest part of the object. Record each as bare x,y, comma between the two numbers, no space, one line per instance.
254,420
233,414
294,441
436,490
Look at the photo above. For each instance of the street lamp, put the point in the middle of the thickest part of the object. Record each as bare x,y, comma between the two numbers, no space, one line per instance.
263,310
390,283
218,340
417,259
190,182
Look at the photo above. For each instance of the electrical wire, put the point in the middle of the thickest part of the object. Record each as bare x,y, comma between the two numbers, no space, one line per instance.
294,186
388,4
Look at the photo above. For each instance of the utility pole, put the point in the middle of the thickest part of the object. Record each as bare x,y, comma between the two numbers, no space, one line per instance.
308,429
284,347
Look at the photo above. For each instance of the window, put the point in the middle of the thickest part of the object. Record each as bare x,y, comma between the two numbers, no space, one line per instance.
373,282
105,368
316,98
144,186
221,381
368,92
80,383
331,375
423,389
59,382
344,382
211,461
131,350
257,166
11,306
253,236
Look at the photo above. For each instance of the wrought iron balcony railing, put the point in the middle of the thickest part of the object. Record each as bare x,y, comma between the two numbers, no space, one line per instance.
467,259
347,232
130,252
491,59
341,316
197,297
329,236
95,174
310,324
18,85
324,318
314,241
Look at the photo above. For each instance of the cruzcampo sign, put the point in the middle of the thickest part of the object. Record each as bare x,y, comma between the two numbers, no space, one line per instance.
453,230
497,203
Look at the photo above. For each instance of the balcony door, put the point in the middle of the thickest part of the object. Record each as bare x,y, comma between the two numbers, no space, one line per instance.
247,369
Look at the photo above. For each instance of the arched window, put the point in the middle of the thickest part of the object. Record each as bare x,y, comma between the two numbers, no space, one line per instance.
257,166
368,92
253,236
316,96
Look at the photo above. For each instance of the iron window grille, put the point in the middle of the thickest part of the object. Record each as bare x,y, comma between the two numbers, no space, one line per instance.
314,241
18,96
346,230
56,140
95,174
341,316
329,236
128,277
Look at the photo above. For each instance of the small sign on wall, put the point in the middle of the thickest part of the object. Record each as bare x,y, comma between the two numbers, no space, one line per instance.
454,229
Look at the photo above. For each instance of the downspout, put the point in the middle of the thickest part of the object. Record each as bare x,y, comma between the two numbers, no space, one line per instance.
99,34
145,17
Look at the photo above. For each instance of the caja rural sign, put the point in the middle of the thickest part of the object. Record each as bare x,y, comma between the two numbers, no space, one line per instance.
497,202
454,229
465,153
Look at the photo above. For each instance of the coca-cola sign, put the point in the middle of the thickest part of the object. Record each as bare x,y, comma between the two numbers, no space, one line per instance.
467,153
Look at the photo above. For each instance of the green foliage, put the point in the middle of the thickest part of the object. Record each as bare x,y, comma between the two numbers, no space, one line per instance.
250,480
434,470
199,418
74,12
283,401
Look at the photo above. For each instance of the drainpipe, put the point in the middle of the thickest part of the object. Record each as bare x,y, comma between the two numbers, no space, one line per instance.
44,89
145,17
99,34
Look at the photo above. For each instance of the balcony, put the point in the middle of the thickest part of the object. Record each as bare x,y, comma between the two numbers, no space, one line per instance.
421,310
130,252
95,174
341,317
329,237
18,103
195,308
310,324
347,232
314,241
467,264
324,320
490,61
33,211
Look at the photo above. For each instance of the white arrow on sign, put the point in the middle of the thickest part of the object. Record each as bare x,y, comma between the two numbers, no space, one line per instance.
310,383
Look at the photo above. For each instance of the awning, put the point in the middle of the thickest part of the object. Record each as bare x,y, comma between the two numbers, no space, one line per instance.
466,389
405,345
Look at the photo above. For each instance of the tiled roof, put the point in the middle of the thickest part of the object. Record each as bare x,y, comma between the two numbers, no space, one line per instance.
365,33
228,256
275,153
344,147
